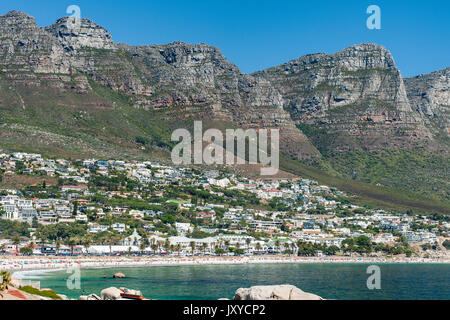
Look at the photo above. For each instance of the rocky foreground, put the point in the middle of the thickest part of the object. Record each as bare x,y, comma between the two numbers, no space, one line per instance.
274,292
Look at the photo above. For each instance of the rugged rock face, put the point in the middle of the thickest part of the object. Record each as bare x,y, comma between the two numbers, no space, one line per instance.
186,74
357,93
24,47
315,84
74,34
429,95
157,76
276,292
352,99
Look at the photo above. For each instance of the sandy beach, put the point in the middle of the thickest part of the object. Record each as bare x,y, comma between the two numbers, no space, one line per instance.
12,263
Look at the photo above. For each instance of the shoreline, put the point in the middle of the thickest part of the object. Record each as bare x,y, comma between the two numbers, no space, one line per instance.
43,264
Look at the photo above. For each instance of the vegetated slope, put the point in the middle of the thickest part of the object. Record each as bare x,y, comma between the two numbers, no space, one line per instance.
355,108
75,93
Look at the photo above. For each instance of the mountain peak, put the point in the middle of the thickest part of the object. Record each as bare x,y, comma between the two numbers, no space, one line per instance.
368,46
17,17
84,34
17,14
365,56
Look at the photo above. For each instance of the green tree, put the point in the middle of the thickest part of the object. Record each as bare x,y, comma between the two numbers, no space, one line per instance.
192,245
219,251
248,241
87,243
5,279
71,243
75,209
16,241
26,251
35,223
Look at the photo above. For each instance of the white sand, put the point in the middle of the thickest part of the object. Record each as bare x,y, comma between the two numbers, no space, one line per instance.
42,264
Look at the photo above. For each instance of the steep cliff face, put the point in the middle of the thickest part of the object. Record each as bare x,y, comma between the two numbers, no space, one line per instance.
89,48
152,77
24,47
74,92
357,96
74,34
429,95
183,74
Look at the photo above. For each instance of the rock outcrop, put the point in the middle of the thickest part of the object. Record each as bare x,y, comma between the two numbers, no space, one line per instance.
74,34
276,292
352,99
111,293
182,74
26,48
357,95
154,76
429,95
92,297
119,275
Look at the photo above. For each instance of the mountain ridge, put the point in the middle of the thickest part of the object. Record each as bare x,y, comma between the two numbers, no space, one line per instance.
79,92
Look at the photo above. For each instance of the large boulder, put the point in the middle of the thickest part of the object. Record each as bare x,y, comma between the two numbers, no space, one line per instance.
63,296
276,292
90,297
111,293
131,291
119,275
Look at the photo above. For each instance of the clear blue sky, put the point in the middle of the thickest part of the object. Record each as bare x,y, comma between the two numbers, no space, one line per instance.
259,34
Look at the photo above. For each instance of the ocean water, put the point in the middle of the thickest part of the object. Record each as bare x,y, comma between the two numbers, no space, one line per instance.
331,281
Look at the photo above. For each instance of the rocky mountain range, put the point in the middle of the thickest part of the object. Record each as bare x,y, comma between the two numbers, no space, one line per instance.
71,87
429,95
357,92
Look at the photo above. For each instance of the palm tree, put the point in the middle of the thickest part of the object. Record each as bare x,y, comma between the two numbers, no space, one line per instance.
227,245
258,246
144,244
57,245
87,243
5,278
71,242
277,244
178,248
204,246
298,245
248,241
110,240
167,244
192,244
154,247
160,244
31,245
43,239
16,241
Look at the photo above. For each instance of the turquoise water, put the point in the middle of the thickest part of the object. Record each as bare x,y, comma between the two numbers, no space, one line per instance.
331,281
